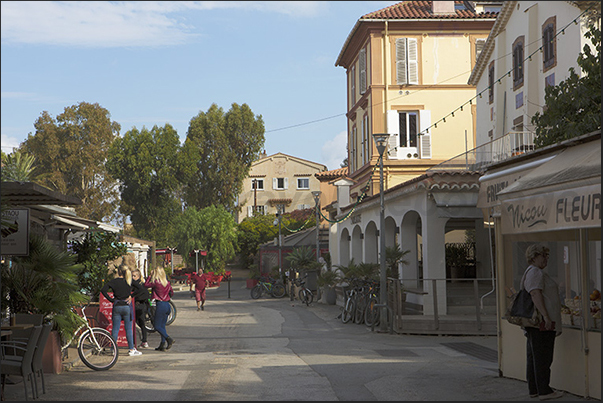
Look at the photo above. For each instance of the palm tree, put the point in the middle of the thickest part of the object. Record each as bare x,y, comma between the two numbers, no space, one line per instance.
18,167
302,258
393,257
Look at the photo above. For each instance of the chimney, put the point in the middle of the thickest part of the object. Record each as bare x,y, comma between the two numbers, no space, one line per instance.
442,7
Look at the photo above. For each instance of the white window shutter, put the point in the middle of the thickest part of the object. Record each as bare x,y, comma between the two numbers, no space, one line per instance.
286,183
479,46
425,138
274,183
362,68
393,128
249,211
401,61
413,61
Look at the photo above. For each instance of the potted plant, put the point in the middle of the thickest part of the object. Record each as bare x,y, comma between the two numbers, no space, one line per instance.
44,282
327,280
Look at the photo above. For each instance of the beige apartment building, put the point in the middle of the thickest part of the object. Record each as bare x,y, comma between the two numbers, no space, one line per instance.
279,180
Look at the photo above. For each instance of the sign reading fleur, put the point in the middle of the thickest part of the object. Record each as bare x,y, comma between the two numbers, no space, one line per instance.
566,209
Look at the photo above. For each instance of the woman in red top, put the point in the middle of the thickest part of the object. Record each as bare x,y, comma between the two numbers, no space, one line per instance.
161,292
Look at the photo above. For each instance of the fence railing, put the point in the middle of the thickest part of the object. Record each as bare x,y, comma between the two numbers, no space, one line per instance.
508,146
397,301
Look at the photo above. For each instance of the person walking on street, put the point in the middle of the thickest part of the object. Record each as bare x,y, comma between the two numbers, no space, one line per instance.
141,302
201,282
122,309
541,341
161,292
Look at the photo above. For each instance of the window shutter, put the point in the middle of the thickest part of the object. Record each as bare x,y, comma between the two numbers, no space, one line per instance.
286,183
393,128
401,61
249,211
362,67
353,86
479,46
274,183
425,138
413,61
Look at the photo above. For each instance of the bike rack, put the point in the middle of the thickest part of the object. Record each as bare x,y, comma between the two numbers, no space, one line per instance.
390,324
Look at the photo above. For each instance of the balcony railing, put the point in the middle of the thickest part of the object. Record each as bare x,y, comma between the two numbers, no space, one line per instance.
508,146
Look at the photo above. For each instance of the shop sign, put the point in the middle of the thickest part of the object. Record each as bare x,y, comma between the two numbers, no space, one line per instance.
566,209
489,189
15,232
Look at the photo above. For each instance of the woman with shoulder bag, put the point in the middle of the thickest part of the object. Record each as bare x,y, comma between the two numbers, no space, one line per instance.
541,341
141,300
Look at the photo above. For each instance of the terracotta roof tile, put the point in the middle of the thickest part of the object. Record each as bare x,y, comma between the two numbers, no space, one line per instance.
332,174
422,9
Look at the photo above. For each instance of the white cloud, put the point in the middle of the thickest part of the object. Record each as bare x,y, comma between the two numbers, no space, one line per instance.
334,151
117,24
8,143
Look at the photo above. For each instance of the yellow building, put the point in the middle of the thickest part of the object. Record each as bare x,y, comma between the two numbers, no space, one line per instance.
279,180
407,69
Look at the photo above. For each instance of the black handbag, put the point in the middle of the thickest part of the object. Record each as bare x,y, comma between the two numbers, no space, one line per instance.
521,310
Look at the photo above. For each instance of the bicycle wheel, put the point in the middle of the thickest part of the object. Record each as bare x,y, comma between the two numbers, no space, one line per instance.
172,315
371,313
348,310
309,296
149,320
359,312
256,292
97,349
302,295
278,290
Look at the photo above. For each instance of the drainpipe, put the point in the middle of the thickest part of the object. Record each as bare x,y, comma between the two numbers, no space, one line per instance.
385,64
490,224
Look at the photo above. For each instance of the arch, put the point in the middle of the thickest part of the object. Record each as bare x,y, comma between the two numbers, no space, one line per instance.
371,243
391,232
344,247
357,244
410,239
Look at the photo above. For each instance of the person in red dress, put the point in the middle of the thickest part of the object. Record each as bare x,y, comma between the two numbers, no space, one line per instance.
200,282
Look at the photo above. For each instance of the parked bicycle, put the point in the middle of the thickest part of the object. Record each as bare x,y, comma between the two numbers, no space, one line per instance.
305,294
372,310
95,346
268,286
349,307
150,315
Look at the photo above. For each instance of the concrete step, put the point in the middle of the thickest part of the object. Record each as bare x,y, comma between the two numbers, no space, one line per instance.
447,325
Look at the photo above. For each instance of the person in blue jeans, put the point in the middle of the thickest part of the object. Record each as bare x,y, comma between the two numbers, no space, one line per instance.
161,292
122,309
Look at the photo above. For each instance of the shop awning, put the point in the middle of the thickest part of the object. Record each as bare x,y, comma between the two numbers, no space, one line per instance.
563,193
29,193
575,166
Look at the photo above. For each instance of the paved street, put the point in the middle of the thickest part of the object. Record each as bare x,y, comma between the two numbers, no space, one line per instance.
240,349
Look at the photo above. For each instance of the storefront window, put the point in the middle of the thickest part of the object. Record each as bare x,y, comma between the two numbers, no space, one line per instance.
566,268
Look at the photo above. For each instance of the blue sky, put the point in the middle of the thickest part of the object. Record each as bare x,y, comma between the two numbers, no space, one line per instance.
152,63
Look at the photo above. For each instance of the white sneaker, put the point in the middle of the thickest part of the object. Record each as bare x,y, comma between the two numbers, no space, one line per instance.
144,345
134,352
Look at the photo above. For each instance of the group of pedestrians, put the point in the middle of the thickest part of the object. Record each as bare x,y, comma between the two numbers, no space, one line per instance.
128,288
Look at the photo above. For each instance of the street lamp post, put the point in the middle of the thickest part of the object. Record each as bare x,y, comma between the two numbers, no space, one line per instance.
316,195
280,240
255,195
381,140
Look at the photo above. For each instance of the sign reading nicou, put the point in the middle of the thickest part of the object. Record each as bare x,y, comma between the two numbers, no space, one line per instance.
575,208
15,232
